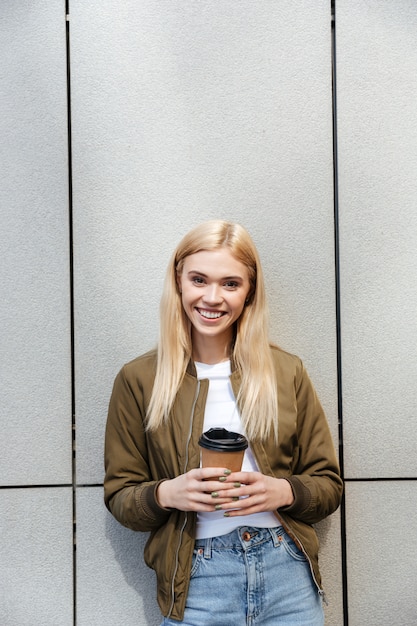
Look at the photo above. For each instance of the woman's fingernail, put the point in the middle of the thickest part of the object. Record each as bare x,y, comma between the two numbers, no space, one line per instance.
237,485
214,494
226,514
223,479
227,472
235,498
218,507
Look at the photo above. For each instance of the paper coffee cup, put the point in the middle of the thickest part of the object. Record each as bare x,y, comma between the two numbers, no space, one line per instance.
222,448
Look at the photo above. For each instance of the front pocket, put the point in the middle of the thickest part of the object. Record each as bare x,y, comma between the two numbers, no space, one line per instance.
290,546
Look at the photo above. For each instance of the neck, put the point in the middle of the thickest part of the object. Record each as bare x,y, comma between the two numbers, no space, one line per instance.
211,350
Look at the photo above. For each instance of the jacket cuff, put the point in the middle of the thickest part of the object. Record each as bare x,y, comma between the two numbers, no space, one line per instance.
302,497
147,502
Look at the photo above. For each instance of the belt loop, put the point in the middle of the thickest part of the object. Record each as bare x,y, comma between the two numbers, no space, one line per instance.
207,548
274,535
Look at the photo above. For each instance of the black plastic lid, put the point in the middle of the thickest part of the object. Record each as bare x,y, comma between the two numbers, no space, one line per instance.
223,440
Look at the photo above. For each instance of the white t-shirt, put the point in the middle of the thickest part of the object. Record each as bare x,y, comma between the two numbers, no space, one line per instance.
222,412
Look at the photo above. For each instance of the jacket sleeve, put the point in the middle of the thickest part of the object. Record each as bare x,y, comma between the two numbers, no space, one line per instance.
129,491
316,481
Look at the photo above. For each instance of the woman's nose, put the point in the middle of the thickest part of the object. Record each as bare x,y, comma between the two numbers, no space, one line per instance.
212,294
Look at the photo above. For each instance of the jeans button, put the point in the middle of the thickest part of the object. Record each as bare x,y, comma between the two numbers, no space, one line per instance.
246,536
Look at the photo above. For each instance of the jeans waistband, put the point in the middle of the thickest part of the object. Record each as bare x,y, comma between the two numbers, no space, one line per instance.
242,538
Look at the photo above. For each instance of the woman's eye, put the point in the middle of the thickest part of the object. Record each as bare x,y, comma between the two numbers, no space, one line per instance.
198,280
231,284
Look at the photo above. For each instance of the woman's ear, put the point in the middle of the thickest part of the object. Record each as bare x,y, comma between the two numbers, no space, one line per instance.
249,297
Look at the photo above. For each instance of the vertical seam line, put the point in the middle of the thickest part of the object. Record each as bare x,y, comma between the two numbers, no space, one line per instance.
338,311
71,287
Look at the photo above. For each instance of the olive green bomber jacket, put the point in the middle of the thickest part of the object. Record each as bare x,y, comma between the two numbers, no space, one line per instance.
136,461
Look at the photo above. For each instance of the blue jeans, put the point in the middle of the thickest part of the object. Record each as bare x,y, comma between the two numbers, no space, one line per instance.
252,577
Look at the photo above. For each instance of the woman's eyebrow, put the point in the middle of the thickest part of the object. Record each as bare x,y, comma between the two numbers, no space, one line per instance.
197,272
206,276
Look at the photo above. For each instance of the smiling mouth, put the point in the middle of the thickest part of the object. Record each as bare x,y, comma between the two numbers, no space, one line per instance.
210,315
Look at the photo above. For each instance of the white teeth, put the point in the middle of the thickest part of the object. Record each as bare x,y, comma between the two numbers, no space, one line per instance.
210,314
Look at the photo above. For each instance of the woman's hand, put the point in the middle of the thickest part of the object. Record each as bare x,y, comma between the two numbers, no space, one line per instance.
240,493
256,493
204,489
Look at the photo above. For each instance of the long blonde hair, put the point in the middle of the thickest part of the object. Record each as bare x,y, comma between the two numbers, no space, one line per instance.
250,353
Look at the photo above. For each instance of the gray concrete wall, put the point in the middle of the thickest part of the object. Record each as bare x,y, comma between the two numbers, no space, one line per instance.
183,111
377,131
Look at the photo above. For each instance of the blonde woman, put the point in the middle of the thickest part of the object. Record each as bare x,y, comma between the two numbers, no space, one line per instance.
239,548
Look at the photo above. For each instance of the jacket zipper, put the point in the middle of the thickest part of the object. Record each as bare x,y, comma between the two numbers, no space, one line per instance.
185,513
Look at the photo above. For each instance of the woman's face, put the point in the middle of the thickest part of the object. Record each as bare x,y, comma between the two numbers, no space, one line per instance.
214,287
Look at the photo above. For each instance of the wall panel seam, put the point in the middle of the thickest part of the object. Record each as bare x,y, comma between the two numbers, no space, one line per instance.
338,310
71,281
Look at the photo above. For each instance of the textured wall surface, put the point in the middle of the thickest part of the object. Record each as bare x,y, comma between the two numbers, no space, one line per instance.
183,111
381,576
377,133
36,529
113,585
35,312
36,555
